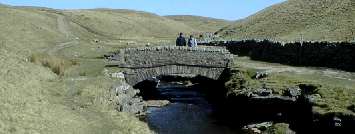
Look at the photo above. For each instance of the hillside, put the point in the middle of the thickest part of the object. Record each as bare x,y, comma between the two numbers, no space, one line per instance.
202,24
52,77
126,23
326,20
53,97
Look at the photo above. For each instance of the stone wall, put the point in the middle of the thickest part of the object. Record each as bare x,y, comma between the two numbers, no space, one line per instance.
339,55
147,62
135,76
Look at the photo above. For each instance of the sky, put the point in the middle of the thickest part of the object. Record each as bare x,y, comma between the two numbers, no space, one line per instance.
222,9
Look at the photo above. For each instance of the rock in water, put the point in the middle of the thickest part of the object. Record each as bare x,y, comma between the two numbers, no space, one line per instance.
257,128
263,92
292,92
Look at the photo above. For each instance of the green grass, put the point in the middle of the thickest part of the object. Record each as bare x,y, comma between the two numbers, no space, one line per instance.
337,95
280,128
320,20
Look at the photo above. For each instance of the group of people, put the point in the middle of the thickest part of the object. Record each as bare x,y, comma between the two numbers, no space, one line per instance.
181,41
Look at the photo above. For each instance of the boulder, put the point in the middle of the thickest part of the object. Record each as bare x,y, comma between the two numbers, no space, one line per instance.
292,92
257,128
127,99
313,98
263,92
119,75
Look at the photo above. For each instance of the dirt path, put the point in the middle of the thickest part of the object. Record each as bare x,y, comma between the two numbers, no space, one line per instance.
278,68
64,28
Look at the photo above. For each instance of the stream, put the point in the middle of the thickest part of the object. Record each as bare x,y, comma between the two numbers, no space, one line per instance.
188,113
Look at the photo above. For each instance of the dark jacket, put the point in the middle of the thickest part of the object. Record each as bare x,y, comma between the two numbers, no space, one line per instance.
181,41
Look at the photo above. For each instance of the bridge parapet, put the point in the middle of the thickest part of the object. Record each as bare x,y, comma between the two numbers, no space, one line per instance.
146,62
148,57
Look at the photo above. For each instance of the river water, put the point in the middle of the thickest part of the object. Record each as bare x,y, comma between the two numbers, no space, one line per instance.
189,113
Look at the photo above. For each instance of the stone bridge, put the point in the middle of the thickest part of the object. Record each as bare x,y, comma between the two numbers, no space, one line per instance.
147,62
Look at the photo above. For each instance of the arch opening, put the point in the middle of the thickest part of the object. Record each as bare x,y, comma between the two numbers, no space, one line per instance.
154,88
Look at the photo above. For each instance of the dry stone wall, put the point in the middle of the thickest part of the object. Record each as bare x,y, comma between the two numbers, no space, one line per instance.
339,55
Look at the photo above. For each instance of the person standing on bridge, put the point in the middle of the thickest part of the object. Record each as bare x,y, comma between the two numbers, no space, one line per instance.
192,41
181,41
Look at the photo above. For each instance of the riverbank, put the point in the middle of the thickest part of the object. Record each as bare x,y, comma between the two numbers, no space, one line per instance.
291,95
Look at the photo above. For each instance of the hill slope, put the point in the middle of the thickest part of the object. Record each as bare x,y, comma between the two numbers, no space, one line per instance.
202,24
33,99
328,20
126,23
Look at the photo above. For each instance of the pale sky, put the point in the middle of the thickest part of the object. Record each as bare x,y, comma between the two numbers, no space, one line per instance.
223,9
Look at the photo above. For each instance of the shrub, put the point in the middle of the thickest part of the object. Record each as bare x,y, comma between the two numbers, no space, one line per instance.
56,64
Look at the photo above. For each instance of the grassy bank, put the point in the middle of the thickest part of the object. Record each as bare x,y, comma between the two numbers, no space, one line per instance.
336,88
35,98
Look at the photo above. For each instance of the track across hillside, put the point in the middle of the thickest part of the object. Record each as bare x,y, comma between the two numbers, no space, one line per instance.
70,39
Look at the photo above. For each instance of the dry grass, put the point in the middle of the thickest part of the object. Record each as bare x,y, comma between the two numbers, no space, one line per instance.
326,20
337,88
126,24
201,24
33,99
56,64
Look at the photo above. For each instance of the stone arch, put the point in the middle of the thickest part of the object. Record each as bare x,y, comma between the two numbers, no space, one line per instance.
138,75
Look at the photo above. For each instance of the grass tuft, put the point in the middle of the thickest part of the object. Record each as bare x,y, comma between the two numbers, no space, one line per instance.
56,64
